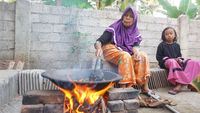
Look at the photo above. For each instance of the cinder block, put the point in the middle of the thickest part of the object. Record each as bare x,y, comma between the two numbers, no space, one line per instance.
132,111
32,108
131,104
53,108
116,106
43,97
122,93
120,111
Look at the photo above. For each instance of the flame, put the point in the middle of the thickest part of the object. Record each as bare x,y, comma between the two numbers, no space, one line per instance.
82,93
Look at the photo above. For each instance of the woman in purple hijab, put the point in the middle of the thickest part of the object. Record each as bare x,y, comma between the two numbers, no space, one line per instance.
119,44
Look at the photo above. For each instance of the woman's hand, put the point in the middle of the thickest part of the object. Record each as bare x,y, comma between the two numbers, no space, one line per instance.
136,53
98,48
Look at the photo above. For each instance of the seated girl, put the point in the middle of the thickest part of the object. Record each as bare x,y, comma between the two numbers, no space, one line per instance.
182,71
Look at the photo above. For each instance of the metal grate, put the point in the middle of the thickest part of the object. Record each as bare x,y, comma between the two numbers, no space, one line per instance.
158,78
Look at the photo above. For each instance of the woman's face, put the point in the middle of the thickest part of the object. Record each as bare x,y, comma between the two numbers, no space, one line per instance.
128,19
169,35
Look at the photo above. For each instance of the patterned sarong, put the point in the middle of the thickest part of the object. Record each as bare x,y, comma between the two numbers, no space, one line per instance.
132,71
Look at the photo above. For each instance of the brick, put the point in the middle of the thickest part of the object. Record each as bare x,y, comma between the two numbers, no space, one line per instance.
55,108
116,105
122,93
131,104
43,97
40,27
132,111
120,111
32,108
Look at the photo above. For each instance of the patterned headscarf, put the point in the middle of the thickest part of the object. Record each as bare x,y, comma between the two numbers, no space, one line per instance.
125,38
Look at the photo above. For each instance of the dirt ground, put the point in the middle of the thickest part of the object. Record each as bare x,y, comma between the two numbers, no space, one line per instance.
187,102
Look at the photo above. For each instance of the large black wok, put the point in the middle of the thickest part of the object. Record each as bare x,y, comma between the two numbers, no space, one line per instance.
67,78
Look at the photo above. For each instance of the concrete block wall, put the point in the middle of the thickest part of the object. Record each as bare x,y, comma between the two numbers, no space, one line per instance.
54,38
48,37
194,39
151,29
64,37
7,31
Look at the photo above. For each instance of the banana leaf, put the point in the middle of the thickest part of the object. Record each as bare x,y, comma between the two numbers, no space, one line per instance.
186,7
171,11
70,3
192,11
184,4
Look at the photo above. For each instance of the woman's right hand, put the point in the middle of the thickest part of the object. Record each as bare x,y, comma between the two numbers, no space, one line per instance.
98,48
136,53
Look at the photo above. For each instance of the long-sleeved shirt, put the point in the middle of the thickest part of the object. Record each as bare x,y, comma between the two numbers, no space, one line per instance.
106,38
167,50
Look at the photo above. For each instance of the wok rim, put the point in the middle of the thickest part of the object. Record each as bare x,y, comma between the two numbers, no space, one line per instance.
116,79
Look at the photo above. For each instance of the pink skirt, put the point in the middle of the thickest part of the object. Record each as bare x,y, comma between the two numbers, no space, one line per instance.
182,74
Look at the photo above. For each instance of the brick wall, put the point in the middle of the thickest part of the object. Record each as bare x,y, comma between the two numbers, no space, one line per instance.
58,37
194,39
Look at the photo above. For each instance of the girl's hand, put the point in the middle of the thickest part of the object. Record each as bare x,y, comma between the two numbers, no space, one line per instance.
179,60
98,48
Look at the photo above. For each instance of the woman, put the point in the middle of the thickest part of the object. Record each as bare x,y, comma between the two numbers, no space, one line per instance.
119,44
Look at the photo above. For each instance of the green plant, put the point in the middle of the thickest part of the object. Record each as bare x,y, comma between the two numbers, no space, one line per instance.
125,3
8,1
103,3
186,7
70,3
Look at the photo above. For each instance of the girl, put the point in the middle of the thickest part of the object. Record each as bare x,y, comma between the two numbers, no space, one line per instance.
119,45
181,71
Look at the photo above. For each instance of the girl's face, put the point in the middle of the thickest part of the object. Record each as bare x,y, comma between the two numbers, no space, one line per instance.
128,19
169,35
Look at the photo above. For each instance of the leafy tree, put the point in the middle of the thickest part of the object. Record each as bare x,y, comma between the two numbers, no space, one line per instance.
148,7
125,3
70,3
9,1
103,3
198,3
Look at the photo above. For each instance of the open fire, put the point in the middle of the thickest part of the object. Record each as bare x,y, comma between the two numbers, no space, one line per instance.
82,95
82,99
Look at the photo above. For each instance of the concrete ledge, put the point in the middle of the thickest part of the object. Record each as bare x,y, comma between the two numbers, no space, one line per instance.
32,79
8,85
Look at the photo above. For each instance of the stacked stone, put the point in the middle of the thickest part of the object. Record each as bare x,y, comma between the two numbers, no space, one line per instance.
43,102
123,100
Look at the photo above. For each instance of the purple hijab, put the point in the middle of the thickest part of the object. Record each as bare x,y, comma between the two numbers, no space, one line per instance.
125,38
